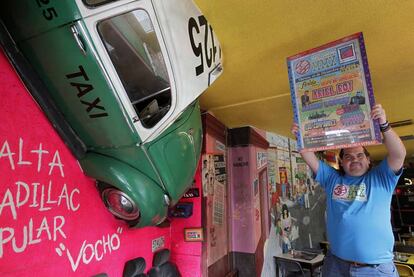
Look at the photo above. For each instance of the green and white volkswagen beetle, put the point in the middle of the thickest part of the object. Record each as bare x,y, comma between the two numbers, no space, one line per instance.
119,80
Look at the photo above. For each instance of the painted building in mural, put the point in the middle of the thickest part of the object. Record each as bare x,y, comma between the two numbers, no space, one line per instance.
297,203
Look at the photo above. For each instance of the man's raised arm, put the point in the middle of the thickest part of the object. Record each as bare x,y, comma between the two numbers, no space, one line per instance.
395,147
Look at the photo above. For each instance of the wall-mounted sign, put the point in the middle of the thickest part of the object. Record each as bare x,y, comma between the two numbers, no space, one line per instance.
193,234
182,209
157,244
220,146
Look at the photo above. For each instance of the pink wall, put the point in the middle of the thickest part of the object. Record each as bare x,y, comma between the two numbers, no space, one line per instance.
187,255
52,221
242,210
216,234
254,181
246,213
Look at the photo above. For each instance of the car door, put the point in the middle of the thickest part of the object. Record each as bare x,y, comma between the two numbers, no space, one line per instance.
79,86
129,42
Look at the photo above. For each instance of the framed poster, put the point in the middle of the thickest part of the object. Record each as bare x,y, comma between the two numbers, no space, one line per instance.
332,96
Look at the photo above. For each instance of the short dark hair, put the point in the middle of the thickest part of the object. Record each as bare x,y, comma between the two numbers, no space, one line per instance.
341,155
285,208
341,152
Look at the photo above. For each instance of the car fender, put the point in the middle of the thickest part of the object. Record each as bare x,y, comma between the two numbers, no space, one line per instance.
146,193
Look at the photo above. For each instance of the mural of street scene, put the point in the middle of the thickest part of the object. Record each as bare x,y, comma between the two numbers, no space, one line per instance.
297,203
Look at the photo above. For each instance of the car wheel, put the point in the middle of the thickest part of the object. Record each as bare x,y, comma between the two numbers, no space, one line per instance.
119,203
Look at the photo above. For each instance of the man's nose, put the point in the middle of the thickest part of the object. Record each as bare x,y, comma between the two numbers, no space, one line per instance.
356,158
351,158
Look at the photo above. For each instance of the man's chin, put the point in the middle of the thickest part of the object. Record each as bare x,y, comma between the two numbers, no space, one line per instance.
356,172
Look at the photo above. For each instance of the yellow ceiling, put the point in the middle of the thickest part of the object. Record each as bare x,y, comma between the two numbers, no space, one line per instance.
258,35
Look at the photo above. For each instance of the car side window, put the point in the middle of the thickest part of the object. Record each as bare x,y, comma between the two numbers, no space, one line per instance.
133,47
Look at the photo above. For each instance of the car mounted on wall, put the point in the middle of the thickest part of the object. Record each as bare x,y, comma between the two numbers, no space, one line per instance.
119,81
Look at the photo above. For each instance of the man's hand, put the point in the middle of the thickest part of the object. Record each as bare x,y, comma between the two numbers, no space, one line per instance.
393,143
378,113
294,129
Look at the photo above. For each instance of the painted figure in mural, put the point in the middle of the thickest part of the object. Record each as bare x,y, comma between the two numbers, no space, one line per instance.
278,228
275,202
306,196
286,223
286,219
274,197
289,232
301,193
283,182
278,209
286,246
358,206
310,185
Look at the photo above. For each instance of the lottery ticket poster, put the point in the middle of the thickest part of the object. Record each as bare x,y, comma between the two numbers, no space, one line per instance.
332,96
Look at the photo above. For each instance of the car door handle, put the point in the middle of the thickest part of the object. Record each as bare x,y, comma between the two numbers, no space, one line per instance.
78,38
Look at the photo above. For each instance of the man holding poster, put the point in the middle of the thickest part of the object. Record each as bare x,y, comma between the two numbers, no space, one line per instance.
358,205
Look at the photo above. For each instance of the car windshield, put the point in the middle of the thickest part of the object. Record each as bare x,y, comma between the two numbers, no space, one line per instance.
132,45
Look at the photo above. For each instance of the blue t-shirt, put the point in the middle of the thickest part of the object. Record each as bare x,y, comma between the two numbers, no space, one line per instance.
358,210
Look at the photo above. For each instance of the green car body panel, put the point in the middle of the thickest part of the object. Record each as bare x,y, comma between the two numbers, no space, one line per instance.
28,18
177,152
78,81
154,169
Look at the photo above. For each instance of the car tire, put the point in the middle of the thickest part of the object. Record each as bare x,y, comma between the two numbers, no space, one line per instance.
119,203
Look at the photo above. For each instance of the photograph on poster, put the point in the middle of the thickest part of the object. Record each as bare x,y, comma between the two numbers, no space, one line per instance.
332,96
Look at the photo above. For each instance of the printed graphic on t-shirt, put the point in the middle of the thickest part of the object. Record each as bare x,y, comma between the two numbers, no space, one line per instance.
350,192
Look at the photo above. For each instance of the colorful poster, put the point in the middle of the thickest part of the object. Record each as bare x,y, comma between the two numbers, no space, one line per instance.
332,96
220,168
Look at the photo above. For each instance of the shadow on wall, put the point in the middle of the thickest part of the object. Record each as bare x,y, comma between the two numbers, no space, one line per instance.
161,266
